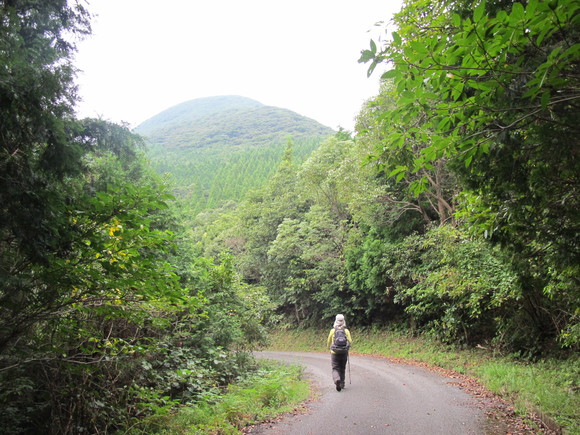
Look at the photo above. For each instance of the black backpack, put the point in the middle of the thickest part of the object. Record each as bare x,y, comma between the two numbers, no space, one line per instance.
340,344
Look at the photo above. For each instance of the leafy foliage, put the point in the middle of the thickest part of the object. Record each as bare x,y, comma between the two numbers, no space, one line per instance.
493,89
100,324
463,291
35,93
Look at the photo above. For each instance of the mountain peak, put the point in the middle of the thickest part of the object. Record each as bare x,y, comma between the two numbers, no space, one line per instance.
227,121
218,148
195,109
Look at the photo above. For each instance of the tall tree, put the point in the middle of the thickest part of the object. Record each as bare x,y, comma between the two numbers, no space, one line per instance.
37,141
500,84
429,190
263,212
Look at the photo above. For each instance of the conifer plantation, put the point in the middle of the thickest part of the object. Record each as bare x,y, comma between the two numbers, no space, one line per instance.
139,269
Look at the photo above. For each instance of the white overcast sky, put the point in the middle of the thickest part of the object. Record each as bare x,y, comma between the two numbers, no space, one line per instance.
147,55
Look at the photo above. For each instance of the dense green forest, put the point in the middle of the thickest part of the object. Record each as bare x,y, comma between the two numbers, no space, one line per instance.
106,315
219,148
452,211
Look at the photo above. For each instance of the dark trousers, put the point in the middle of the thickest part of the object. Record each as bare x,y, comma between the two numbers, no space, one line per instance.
338,362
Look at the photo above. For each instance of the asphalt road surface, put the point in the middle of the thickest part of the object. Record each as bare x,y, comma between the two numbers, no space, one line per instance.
380,398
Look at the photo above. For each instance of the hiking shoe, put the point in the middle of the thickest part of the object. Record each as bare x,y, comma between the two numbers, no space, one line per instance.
342,385
338,386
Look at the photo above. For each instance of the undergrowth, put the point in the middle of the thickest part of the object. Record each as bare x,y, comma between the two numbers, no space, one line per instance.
273,389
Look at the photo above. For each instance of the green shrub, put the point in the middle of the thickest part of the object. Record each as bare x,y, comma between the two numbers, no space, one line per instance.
272,389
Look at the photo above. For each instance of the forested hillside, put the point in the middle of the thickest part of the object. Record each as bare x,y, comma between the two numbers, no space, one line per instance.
218,148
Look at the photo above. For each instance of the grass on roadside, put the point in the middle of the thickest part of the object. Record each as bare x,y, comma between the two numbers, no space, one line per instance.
550,387
274,389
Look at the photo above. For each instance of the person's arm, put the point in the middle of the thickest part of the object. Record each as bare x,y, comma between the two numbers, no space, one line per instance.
330,338
349,338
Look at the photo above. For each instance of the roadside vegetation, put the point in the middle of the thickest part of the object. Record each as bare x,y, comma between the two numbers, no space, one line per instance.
549,387
268,391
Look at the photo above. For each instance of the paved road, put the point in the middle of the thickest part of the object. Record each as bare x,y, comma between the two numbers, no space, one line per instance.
383,398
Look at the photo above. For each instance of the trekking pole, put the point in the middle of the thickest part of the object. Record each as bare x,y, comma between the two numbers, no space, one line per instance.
349,376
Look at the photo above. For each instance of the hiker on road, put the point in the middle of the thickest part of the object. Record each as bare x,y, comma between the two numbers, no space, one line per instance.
339,342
